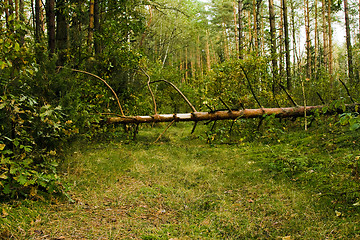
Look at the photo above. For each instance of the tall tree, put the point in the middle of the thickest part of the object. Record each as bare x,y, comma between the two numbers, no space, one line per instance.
330,41
240,21
287,45
273,39
97,26
325,35
91,25
61,31
50,19
348,42
308,41
38,28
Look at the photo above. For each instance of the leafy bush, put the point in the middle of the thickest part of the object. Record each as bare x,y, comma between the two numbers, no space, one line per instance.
351,119
30,140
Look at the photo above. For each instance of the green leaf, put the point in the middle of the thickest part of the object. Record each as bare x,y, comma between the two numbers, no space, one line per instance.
2,64
354,126
6,189
17,47
22,180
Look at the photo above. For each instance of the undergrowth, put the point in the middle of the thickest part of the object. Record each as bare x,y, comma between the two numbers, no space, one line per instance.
283,182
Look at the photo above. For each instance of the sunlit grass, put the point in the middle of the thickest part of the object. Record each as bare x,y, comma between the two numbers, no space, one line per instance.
183,188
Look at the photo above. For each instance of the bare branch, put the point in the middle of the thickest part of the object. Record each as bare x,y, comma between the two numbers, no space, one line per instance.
151,92
164,131
178,90
112,90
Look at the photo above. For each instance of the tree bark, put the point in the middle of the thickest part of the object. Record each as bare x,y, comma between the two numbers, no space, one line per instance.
330,43
91,26
37,21
236,29
208,57
307,31
287,46
61,32
97,26
50,19
324,30
240,13
273,39
348,42
289,112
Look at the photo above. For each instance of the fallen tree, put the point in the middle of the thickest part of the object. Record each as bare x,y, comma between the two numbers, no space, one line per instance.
289,112
229,114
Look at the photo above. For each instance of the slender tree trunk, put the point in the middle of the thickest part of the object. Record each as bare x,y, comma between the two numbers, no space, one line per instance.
61,31
186,64
226,45
50,19
273,39
236,29
250,38
293,36
198,54
17,10
91,26
192,64
208,58
148,26
8,12
240,13
22,19
324,30
255,28
37,21
307,30
287,46
348,42
97,26
330,43
316,36
281,42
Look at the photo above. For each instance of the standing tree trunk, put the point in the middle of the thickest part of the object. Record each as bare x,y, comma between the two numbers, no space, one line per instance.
236,30
97,40
273,39
61,31
226,44
208,57
287,46
293,36
91,26
255,28
348,42
8,12
50,19
324,30
240,13
186,64
330,43
37,21
316,36
307,30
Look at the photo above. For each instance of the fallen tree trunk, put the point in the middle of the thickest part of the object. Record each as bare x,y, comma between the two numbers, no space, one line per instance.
232,114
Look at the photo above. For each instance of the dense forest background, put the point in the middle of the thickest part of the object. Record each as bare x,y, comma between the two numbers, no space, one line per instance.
210,50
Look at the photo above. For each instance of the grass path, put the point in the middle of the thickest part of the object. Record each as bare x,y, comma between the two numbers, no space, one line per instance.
179,189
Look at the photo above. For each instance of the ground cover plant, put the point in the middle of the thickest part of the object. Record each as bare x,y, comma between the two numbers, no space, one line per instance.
290,185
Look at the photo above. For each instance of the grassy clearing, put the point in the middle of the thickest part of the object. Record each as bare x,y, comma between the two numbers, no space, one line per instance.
292,185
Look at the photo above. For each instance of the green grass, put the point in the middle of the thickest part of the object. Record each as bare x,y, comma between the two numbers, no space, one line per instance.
296,184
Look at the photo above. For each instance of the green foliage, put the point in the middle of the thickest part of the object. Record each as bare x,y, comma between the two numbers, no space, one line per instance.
31,136
351,119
